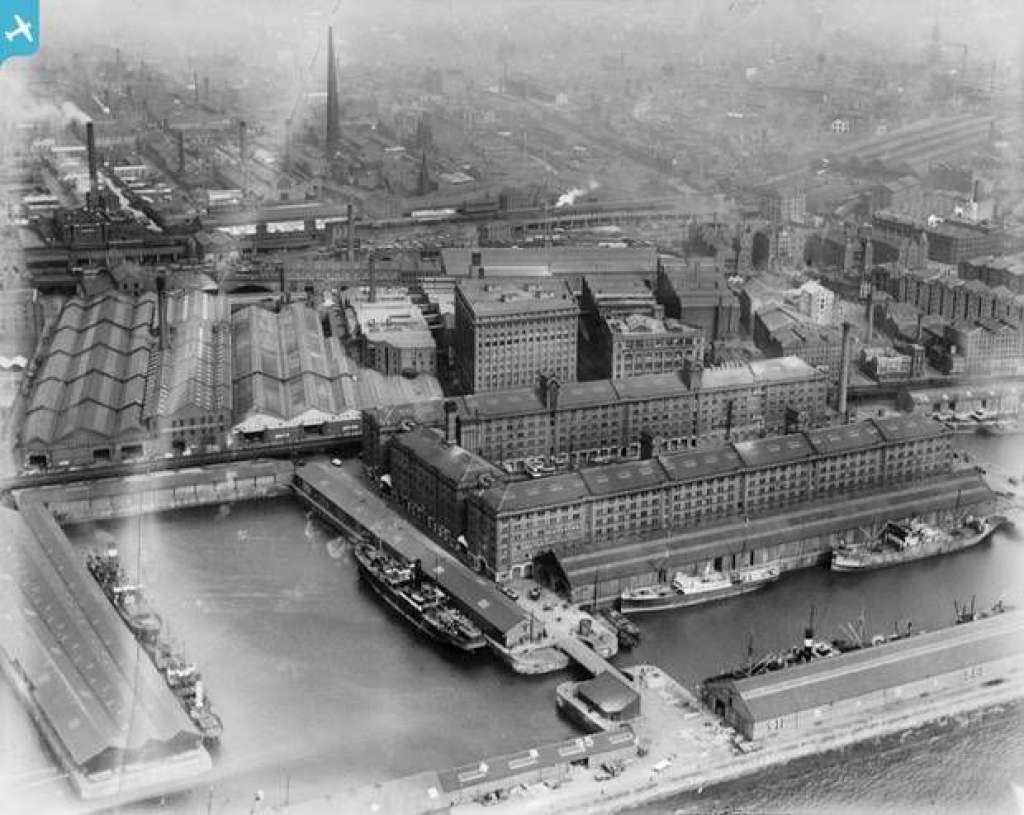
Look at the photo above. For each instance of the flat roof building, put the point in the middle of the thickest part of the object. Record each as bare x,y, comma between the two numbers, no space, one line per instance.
508,332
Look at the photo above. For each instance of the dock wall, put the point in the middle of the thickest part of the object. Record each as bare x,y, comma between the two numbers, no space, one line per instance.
137,495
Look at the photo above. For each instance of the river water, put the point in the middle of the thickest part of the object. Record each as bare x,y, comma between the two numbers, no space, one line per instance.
321,687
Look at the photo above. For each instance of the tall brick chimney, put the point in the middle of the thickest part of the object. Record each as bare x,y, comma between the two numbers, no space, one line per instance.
350,234
90,146
844,371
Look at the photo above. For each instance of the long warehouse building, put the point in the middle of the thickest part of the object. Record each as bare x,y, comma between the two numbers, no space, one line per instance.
103,709
859,684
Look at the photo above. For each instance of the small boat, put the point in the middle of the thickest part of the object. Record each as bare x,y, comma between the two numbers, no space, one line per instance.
627,631
913,540
689,590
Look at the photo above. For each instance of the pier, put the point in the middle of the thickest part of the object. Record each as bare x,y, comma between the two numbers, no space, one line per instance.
106,714
589,658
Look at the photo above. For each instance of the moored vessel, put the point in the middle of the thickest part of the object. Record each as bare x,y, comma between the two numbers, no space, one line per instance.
690,590
628,632
417,599
914,540
181,676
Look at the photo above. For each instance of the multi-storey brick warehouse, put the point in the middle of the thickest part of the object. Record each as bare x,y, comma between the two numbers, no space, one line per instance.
638,345
509,524
507,332
581,421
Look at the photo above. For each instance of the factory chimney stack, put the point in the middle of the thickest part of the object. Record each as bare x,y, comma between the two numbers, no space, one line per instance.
90,146
844,372
350,229
332,124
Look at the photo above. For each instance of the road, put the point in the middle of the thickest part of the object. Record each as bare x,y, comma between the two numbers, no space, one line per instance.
346,447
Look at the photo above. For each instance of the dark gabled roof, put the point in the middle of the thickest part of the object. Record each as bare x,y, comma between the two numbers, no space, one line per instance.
607,693
455,463
844,438
536,493
900,428
693,464
774,450
629,476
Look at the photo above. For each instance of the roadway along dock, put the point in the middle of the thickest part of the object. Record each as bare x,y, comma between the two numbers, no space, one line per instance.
173,489
98,702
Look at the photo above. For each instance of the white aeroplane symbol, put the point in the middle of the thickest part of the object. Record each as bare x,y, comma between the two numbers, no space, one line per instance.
22,29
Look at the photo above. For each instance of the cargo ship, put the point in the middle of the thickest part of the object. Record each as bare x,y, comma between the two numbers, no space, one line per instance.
690,590
418,600
182,677
913,540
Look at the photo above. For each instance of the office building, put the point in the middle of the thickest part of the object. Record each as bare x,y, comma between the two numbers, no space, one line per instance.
507,332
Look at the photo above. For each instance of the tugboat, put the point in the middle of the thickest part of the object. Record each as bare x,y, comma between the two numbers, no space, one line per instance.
913,540
690,590
182,677
627,631
417,599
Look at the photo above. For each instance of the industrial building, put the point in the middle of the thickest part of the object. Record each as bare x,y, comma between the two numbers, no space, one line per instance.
284,373
509,331
88,395
795,537
858,683
778,331
1002,400
191,405
993,270
509,523
107,716
578,422
620,296
129,377
433,476
637,345
571,263
389,333
701,297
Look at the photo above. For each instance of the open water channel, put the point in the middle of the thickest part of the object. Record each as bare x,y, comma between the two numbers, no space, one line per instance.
322,688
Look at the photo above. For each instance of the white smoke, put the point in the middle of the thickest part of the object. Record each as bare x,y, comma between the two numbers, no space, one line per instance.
567,199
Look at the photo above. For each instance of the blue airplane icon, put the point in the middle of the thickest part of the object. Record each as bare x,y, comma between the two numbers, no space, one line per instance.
19,28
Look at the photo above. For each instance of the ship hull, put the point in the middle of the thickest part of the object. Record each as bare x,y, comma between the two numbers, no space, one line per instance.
869,561
628,605
410,615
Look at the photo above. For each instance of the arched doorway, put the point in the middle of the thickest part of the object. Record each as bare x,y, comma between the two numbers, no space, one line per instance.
548,571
